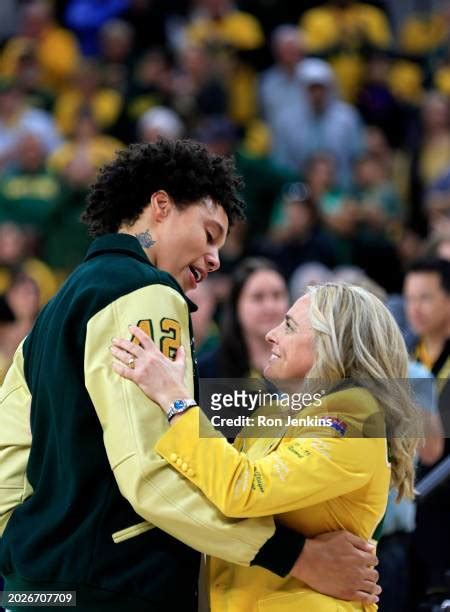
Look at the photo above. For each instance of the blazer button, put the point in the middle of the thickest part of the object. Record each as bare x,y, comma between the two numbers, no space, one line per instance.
190,472
173,457
184,467
179,461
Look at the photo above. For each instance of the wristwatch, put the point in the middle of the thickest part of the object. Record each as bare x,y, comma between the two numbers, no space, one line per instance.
179,406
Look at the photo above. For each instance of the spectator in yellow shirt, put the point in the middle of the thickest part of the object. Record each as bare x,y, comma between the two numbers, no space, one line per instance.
79,158
87,93
56,48
235,36
219,23
316,477
341,29
345,24
434,152
423,32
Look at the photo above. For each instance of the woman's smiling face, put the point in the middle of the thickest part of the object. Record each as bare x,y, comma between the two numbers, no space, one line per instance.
292,343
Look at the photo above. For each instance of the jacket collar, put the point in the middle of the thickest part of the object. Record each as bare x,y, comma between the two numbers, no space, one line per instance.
128,245
117,243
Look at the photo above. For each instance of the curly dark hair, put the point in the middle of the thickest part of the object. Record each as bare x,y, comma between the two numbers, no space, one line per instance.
183,168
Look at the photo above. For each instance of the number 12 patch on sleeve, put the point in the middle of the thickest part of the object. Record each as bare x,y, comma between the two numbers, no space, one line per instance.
170,338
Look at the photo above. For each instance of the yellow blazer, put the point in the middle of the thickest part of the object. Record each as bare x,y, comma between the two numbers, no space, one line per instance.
315,479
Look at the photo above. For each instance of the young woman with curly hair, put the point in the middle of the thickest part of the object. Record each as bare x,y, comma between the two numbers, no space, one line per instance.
86,504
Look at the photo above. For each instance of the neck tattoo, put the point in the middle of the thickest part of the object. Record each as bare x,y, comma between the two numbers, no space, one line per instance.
145,239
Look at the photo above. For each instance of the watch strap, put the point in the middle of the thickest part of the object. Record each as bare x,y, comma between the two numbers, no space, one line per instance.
173,410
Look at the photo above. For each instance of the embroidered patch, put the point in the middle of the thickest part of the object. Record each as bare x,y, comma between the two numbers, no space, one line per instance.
339,426
297,450
258,481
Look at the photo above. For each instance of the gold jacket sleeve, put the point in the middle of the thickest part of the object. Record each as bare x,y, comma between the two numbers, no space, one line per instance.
15,439
301,472
132,424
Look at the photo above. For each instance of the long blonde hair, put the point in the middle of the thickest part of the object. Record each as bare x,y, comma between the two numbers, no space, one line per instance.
357,338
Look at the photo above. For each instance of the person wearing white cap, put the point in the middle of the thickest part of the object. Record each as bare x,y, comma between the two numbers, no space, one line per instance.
160,121
323,123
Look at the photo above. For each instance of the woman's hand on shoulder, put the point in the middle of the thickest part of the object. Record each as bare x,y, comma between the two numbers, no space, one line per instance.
160,378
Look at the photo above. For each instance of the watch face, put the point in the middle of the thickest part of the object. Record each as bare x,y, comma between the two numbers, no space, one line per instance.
179,404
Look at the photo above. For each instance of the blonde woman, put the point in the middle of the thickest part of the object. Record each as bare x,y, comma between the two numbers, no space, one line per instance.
315,479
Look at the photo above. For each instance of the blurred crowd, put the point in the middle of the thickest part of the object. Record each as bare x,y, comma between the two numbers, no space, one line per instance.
337,114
